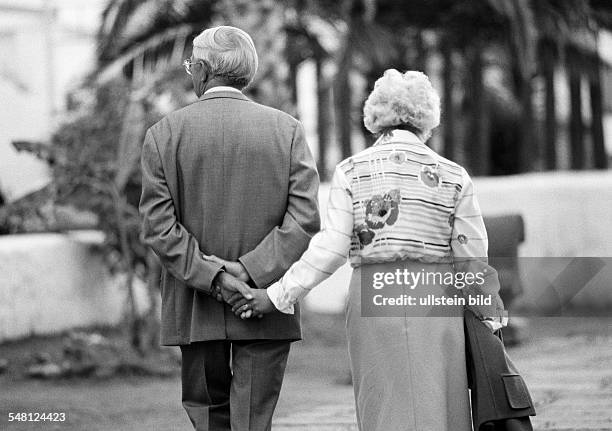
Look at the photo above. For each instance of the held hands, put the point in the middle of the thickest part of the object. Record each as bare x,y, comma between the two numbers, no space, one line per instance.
228,288
231,287
260,304
223,286
234,268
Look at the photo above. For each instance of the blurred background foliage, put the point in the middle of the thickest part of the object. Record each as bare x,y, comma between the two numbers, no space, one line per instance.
492,126
496,63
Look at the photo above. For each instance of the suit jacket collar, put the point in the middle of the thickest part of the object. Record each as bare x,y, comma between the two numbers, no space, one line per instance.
224,95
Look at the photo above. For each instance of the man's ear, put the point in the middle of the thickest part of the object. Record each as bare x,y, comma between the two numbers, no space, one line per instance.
205,71
205,74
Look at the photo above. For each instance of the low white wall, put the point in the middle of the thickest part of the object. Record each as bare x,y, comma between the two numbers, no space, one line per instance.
566,214
52,282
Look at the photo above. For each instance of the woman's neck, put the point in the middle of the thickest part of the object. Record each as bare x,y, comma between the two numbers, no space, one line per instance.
407,127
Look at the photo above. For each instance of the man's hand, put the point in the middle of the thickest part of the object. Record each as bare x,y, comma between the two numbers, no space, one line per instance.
230,289
259,305
232,286
234,268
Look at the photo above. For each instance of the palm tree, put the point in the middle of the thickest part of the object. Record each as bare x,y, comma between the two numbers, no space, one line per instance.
548,60
568,29
602,15
461,27
304,43
595,91
377,34
142,41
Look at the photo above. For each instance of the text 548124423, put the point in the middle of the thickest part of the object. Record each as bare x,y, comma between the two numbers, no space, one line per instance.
37,417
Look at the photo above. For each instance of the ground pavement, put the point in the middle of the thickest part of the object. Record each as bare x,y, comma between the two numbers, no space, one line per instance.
567,364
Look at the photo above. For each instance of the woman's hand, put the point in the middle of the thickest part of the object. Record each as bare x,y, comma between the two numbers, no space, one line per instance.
492,324
258,306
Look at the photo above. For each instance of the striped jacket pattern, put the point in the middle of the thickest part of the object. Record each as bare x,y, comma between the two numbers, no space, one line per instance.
396,200
405,199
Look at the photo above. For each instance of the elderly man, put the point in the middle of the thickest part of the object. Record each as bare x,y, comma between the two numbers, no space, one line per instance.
228,177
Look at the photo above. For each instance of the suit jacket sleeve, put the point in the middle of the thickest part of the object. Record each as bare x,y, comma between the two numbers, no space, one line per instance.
326,252
177,248
285,244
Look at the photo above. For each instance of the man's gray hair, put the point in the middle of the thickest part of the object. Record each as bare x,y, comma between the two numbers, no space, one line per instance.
229,52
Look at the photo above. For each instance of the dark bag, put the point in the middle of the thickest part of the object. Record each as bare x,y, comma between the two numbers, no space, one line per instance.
500,398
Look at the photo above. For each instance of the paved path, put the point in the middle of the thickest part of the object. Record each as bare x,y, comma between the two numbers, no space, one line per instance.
567,364
569,375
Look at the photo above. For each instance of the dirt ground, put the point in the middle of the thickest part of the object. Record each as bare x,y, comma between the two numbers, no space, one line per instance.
567,363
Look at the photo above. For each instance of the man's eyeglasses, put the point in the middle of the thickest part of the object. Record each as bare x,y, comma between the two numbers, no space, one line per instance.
188,64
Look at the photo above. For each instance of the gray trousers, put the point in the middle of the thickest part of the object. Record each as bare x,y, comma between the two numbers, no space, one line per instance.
241,398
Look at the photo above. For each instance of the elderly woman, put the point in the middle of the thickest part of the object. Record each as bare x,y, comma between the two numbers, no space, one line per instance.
399,205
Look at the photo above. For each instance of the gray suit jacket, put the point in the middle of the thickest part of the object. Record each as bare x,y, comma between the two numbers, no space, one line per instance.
229,177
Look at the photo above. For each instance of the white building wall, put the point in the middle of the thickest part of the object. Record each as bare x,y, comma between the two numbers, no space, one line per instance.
50,283
46,47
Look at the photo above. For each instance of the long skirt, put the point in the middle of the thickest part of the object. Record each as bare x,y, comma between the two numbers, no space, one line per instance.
409,373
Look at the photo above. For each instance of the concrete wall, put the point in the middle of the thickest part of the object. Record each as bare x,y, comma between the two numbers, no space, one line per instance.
567,215
46,48
50,283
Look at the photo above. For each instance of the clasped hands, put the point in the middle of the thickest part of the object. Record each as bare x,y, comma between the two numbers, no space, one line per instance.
231,286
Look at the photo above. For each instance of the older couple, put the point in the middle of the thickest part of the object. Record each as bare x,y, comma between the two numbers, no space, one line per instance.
229,203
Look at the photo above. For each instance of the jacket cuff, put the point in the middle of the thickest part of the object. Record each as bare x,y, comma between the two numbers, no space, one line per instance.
254,267
211,270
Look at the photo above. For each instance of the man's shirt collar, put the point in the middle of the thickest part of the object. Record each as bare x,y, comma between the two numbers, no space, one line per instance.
222,88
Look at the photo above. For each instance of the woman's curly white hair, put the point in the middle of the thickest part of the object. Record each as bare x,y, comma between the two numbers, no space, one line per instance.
398,99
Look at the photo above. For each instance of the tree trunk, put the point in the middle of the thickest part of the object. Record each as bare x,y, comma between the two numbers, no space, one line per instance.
576,126
550,126
151,318
342,99
477,144
421,52
130,141
448,124
292,82
528,146
323,117
133,320
599,150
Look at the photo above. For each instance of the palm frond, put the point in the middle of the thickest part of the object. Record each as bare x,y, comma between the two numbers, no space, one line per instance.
174,38
114,19
602,12
126,23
